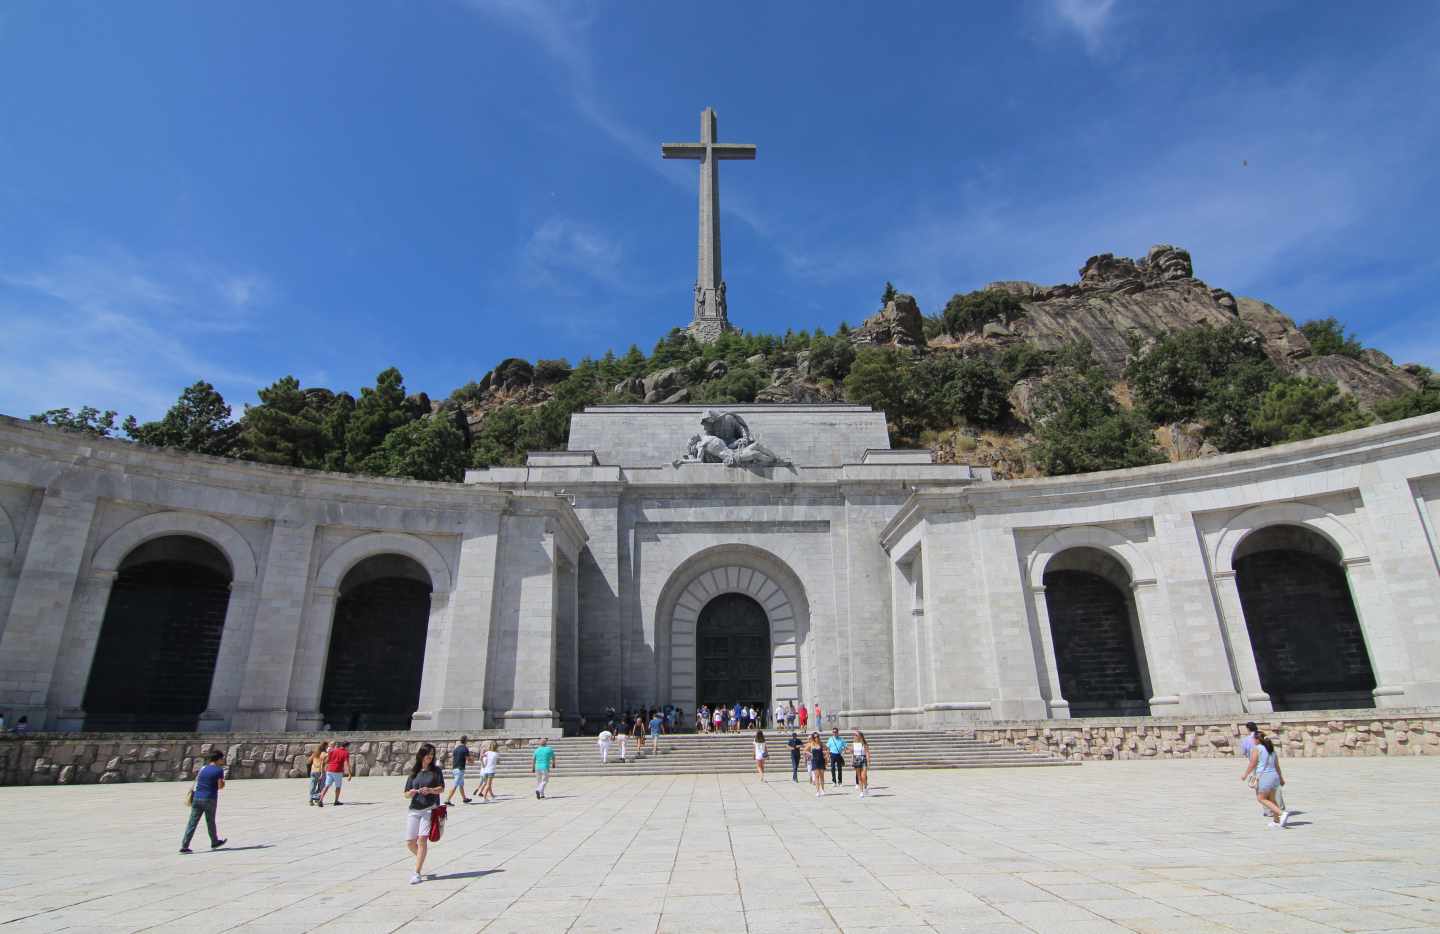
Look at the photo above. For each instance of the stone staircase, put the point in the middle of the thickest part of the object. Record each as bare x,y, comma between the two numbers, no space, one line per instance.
689,753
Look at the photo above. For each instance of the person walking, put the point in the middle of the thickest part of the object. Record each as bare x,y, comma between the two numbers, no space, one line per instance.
204,799
817,764
656,725
316,767
717,718
459,758
803,716
760,754
835,745
606,738
860,762
423,788
544,761
337,769
779,716
815,716
796,744
1266,766
1247,744
489,759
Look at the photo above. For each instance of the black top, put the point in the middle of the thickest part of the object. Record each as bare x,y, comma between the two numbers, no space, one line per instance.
795,743
817,757
459,756
431,778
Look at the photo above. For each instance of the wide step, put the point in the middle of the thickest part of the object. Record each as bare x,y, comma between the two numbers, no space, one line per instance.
681,754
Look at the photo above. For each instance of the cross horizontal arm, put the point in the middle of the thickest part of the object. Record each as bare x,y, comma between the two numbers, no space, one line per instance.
682,150
733,151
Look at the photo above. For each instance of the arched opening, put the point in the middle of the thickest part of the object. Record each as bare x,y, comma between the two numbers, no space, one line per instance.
733,648
377,645
155,657
1099,655
1304,631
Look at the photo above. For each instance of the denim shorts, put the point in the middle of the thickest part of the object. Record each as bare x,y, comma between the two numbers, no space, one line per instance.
457,776
334,779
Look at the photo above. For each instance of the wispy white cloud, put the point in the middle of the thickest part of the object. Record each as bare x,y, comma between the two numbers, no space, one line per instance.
568,257
1090,19
114,331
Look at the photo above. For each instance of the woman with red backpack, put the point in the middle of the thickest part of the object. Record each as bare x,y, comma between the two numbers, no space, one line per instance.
423,787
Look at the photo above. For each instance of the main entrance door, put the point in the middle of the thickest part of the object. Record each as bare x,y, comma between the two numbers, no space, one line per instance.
733,640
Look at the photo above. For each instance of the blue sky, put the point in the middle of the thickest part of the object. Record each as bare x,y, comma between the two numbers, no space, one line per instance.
240,191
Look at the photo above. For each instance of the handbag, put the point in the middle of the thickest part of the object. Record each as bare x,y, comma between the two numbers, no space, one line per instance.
190,795
437,822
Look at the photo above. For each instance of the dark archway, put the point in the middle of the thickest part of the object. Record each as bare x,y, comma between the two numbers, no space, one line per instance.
1304,632
1098,652
377,645
732,641
155,657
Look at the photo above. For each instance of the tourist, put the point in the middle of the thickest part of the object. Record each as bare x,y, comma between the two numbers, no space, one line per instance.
701,719
835,745
760,754
544,761
623,738
459,758
860,762
795,744
489,759
656,723
317,771
606,738
735,718
337,769
817,764
779,716
423,788
817,718
802,715
1266,766
1247,743
204,799
716,719
790,714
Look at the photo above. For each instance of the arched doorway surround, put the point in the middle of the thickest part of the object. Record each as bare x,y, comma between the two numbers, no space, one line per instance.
1158,658
307,678
1383,645
1099,651
730,569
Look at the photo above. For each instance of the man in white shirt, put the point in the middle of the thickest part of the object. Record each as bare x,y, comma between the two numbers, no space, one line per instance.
606,738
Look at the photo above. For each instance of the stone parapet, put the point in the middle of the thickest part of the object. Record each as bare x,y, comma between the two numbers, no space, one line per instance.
106,758
1414,732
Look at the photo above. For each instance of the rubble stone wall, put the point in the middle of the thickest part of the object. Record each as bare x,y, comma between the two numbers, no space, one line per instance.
105,758
1318,733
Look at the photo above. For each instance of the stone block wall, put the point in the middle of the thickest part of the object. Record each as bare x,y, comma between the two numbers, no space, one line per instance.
105,758
1302,735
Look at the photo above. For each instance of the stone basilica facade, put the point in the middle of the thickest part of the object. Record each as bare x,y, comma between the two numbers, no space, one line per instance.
661,561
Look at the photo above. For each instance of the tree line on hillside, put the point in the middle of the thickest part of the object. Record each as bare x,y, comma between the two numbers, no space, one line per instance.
1217,380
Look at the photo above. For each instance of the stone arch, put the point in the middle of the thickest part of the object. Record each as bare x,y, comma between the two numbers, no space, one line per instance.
379,543
723,569
207,528
1346,542
1138,566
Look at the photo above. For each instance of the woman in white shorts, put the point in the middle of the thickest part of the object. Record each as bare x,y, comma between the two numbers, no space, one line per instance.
760,754
424,787
860,762
488,760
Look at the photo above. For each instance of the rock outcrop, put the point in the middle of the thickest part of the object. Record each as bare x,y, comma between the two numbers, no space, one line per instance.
898,324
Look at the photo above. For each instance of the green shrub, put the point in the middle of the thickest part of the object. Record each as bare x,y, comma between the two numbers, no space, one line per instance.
1299,407
1327,336
968,314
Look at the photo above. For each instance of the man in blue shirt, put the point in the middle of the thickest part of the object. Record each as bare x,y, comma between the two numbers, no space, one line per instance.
655,725
204,799
835,745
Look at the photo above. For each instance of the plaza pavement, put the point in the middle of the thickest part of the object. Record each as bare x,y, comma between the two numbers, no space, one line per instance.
1141,846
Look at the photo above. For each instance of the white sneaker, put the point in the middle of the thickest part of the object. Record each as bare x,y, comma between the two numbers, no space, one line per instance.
1284,818
1273,825
415,878
862,794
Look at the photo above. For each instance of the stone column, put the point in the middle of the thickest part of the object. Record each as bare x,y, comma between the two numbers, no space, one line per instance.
43,594
230,660
599,597
438,646
72,675
1162,651
279,610
309,674
1059,706
1384,642
523,680
1242,653
452,689
1017,680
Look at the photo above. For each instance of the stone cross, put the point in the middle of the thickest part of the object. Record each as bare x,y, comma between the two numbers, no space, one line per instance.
711,318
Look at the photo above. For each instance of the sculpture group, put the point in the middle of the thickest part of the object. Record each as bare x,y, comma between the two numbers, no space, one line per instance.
724,438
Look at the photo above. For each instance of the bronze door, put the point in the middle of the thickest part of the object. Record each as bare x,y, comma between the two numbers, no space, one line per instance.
733,644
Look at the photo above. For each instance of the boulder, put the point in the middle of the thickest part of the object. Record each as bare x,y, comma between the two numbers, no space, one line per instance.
1284,342
682,395
664,382
1365,381
756,359
1022,398
717,369
898,324
630,386
1184,441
